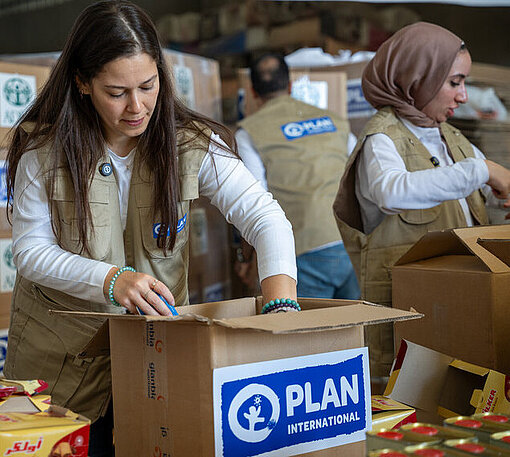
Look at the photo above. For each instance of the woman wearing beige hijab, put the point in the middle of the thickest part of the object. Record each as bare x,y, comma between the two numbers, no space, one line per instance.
411,172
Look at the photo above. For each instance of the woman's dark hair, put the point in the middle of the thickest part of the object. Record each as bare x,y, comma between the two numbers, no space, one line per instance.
69,124
271,79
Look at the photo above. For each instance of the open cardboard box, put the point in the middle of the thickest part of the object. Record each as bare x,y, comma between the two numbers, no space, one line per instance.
470,389
460,280
221,379
439,384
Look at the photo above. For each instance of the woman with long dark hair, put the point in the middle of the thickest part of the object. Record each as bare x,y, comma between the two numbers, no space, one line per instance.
101,172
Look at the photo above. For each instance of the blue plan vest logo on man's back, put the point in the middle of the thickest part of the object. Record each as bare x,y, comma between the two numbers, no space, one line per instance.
295,130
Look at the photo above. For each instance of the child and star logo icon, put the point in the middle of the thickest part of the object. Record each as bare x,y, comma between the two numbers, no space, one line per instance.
249,401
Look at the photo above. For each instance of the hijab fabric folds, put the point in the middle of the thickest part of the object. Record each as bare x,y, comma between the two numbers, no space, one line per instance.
409,69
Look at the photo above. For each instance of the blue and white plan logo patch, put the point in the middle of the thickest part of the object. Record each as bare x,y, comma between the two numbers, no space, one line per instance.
295,130
357,105
181,223
292,406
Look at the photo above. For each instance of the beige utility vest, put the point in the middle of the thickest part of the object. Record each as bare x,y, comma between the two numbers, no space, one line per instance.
374,255
45,346
304,151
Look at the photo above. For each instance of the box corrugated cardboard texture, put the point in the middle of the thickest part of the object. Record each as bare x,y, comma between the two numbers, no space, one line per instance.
209,270
178,382
299,32
359,111
19,84
317,87
197,82
417,379
460,280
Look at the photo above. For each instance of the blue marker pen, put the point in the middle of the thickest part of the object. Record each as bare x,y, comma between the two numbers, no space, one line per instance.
170,307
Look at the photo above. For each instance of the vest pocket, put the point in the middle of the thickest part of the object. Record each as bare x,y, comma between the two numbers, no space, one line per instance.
37,351
98,237
420,216
150,232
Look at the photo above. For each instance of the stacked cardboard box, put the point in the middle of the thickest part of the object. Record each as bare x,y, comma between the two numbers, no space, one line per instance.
197,82
317,86
459,279
342,84
359,111
19,84
490,136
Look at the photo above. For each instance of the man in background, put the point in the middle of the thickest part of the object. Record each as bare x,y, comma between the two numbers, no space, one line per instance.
298,152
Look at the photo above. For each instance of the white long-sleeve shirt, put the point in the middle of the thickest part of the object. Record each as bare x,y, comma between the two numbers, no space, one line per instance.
384,186
228,184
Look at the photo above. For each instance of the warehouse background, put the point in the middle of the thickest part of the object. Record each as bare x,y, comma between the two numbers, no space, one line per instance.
42,25
210,42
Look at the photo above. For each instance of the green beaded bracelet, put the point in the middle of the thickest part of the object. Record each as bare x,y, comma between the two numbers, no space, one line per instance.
112,283
286,302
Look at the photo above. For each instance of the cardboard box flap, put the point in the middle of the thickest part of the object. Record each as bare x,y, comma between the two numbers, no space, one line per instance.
19,404
476,398
462,388
305,321
320,319
434,244
499,248
417,377
465,366
99,344
484,242
472,235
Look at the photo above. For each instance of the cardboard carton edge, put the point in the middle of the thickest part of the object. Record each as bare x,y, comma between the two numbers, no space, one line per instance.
459,241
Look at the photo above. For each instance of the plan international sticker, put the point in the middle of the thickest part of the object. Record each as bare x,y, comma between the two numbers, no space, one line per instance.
292,406
17,92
